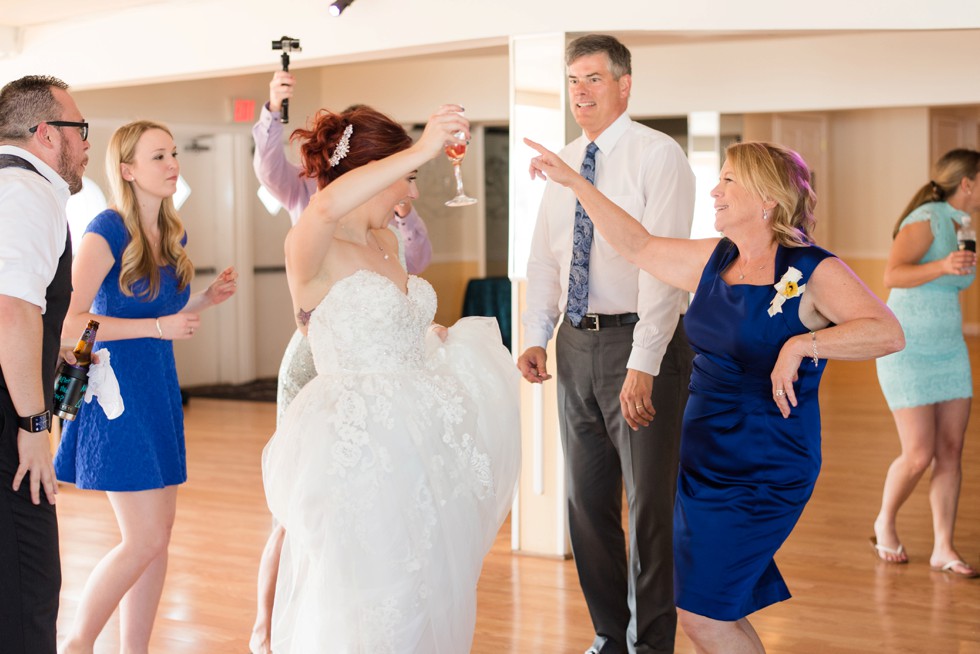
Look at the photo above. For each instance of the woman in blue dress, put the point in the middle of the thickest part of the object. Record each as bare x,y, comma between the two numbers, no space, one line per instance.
769,309
928,386
132,274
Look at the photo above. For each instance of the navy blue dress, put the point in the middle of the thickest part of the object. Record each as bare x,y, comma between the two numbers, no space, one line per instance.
143,448
746,473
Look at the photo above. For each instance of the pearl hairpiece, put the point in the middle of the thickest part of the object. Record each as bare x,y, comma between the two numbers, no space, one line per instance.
343,147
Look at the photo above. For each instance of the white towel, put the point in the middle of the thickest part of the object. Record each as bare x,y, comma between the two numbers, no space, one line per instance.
102,383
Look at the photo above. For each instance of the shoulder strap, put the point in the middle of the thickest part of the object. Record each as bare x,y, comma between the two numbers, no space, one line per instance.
13,161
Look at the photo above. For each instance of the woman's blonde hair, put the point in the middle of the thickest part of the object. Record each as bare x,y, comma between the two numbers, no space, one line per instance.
138,261
947,174
773,172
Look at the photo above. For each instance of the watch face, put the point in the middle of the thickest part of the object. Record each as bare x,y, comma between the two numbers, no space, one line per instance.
36,423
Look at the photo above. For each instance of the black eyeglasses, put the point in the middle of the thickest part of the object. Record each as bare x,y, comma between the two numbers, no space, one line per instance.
82,127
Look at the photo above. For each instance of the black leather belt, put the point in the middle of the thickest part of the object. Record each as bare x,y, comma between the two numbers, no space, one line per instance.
593,322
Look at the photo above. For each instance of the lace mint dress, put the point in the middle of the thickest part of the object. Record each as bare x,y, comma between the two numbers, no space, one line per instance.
392,471
934,366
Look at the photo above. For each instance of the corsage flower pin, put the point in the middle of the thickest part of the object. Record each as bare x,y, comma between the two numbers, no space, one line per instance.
787,288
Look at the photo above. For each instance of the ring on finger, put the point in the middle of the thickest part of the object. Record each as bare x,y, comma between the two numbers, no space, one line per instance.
780,392
639,406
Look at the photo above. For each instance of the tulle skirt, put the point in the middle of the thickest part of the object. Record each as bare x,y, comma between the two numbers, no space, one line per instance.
392,486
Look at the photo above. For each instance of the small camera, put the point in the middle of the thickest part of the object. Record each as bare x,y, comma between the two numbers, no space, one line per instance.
287,44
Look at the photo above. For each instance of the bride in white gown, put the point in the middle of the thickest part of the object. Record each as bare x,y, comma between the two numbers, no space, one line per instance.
393,469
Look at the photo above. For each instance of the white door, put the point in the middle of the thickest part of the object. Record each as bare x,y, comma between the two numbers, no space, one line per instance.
219,234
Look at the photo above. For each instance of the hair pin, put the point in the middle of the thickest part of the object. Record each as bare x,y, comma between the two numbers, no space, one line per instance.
343,146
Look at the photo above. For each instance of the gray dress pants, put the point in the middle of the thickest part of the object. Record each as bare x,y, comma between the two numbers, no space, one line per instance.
630,599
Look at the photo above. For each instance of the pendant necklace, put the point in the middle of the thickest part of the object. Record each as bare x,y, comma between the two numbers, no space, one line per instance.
377,243
741,270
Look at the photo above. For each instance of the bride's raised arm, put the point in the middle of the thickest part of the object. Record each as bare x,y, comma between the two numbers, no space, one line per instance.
309,240
676,261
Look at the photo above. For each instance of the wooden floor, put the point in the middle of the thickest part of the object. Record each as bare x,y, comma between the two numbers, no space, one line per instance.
844,601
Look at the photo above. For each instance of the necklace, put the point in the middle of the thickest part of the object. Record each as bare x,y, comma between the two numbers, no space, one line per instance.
741,270
377,243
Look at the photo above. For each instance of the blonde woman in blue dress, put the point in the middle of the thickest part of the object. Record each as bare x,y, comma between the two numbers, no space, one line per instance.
928,386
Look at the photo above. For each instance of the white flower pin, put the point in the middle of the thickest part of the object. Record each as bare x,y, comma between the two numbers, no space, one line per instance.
787,287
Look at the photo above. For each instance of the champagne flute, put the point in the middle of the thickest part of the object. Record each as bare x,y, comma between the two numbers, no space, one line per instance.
456,152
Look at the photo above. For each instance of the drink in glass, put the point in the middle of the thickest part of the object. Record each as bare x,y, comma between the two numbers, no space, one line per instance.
456,152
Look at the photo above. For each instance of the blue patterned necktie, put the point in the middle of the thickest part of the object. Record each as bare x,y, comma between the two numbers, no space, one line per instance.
578,272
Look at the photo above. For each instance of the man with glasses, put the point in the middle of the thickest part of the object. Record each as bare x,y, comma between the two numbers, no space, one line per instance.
43,153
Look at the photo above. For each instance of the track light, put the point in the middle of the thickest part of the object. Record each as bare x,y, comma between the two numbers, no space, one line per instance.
338,7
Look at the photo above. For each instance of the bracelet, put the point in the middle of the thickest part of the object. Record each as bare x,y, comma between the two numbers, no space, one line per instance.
159,331
816,359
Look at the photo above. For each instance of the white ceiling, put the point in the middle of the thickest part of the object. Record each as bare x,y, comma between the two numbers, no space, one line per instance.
19,13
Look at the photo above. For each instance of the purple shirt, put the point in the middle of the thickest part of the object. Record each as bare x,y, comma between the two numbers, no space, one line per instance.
293,189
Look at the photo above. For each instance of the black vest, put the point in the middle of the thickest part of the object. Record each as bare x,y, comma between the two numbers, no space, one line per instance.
57,296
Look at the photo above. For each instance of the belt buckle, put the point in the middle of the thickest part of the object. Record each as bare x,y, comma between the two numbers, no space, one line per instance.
595,320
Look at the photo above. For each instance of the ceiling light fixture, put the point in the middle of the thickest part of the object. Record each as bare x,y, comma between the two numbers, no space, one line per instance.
338,7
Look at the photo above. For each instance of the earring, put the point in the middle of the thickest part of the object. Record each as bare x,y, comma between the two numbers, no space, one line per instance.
765,214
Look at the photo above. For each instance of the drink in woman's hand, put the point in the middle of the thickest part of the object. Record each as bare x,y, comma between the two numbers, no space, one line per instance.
69,388
456,151
966,238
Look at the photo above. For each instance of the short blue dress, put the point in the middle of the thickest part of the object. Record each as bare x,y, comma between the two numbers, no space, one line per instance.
934,366
143,448
746,472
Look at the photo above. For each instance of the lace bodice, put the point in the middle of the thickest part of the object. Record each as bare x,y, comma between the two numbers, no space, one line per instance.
366,324
392,470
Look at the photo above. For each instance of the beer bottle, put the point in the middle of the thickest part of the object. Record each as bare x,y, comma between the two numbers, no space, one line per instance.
69,389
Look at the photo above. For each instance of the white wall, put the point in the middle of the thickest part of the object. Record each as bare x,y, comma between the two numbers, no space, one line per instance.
879,158
805,73
165,41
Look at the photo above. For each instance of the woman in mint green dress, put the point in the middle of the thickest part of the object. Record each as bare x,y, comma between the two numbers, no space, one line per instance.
928,385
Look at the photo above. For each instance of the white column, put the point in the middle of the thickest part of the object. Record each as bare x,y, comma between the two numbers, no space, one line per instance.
538,111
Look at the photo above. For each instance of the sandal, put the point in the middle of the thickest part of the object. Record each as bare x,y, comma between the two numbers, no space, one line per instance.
879,550
950,567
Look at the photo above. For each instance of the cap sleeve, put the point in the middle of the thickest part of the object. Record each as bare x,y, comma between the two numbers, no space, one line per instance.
109,225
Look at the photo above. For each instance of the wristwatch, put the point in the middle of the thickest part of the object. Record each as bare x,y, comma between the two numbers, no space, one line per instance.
35,423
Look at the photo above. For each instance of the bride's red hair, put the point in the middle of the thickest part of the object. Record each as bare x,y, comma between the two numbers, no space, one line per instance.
375,136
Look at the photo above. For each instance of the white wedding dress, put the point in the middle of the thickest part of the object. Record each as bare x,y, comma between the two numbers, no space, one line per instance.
392,471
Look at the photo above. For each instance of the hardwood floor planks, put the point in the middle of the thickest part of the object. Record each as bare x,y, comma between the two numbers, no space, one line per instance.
844,600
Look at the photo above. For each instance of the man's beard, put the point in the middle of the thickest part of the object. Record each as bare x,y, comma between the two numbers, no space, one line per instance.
67,171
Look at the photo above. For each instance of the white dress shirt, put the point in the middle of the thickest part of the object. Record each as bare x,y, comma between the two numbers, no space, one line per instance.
647,174
34,228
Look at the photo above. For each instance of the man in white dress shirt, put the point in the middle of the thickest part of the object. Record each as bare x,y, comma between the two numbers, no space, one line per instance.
622,355
43,153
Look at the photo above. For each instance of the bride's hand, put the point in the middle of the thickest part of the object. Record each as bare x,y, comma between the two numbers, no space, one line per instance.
439,331
444,127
